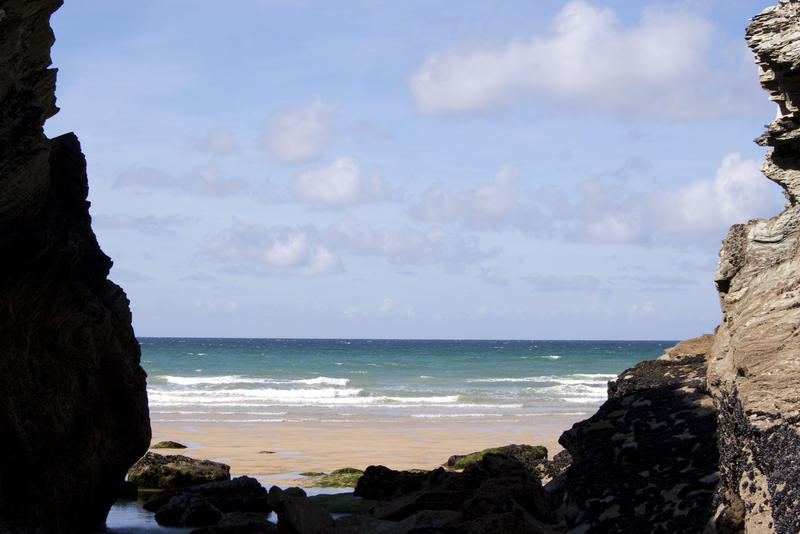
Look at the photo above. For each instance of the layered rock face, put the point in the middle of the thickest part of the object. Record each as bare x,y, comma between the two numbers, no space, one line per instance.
754,368
73,415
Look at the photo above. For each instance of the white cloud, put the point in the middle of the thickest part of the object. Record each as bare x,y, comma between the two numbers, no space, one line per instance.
589,59
490,204
581,283
407,245
141,177
737,193
208,180
204,180
298,134
146,224
350,313
603,212
699,210
386,306
493,276
617,227
274,250
220,142
284,250
339,184
640,310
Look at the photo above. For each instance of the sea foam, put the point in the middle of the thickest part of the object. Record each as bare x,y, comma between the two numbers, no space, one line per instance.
236,379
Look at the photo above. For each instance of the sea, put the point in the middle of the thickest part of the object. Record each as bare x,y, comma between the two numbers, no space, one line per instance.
243,382
252,381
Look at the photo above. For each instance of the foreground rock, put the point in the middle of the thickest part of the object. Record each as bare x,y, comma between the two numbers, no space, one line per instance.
492,493
168,445
647,460
531,457
206,504
175,471
74,412
240,523
346,477
343,503
754,369
297,514
188,510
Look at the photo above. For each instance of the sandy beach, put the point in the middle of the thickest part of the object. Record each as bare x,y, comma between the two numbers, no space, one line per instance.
277,453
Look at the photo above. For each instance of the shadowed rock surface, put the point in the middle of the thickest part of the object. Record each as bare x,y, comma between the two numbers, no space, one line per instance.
74,413
754,367
240,523
647,460
231,505
241,494
298,514
497,493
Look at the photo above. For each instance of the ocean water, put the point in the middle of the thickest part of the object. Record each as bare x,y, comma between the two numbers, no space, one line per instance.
244,381
252,381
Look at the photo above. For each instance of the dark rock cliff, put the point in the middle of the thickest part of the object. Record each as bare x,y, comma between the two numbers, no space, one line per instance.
647,460
73,415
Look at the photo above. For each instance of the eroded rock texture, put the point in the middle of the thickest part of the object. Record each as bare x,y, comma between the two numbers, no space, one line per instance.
754,369
73,415
647,460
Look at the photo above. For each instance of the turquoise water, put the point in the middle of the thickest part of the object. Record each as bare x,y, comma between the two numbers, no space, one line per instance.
252,381
305,380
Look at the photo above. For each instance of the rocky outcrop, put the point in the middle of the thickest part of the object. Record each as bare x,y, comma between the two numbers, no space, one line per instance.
493,494
168,445
240,523
297,514
239,500
647,460
155,471
754,368
74,411
241,494
531,457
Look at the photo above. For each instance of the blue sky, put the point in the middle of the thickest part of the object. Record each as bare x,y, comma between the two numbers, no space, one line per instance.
436,169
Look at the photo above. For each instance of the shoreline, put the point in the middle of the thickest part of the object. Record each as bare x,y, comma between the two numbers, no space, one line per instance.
275,453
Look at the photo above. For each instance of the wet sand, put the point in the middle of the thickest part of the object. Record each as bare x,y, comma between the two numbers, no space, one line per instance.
277,453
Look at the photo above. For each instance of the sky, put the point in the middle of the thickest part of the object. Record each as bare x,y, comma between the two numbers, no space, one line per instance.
423,169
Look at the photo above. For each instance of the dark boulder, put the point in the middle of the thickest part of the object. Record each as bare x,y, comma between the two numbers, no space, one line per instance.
379,482
343,503
298,514
175,471
188,510
240,523
532,457
516,522
242,494
74,412
647,461
421,523
168,445
495,484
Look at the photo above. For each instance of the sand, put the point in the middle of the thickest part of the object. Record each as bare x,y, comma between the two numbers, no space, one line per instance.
276,453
